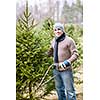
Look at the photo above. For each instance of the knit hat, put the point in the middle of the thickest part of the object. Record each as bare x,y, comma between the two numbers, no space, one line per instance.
59,25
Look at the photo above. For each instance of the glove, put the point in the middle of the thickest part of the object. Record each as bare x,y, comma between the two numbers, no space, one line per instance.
67,63
63,65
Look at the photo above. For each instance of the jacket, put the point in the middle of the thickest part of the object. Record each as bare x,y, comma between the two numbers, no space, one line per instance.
66,50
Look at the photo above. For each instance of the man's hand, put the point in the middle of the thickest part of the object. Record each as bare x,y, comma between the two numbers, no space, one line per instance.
67,63
64,65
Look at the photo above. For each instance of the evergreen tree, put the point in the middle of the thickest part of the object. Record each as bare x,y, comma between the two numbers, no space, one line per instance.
31,60
79,11
72,14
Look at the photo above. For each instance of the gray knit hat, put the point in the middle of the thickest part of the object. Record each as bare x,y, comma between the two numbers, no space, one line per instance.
59,25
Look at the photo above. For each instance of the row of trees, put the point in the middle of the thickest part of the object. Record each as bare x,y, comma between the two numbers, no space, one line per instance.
73,14
54,9
32,43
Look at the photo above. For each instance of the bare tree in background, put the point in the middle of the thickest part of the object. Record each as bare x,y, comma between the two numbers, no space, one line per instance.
36,12
57,9
51,9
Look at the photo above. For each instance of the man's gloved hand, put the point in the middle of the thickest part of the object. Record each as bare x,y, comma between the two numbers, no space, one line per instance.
67,63
63,65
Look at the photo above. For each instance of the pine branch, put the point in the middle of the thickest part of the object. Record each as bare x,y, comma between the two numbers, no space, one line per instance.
43,78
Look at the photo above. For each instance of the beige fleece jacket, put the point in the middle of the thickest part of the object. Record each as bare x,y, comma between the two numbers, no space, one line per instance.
66,50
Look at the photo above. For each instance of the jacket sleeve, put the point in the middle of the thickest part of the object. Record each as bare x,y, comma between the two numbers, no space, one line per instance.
73,50
50,51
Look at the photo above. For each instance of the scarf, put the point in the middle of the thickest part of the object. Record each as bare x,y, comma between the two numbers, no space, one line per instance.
57,40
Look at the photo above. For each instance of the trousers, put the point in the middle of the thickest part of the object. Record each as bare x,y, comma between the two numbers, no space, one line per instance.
64,84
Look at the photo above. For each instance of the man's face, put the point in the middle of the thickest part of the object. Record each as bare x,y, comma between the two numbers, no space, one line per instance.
58,32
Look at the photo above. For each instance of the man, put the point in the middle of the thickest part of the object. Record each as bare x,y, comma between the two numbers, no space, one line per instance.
65,53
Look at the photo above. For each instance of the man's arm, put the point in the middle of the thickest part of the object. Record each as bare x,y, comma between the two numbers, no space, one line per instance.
74,56
50,52
73,50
